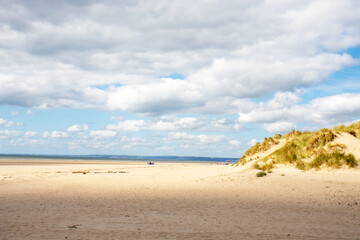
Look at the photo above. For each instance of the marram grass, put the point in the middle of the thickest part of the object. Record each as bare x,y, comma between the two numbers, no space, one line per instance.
304,150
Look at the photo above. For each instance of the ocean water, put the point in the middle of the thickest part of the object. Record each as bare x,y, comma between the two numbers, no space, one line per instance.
119,158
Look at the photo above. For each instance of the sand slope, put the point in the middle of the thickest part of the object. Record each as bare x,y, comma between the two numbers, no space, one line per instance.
272,149
352,144
250,159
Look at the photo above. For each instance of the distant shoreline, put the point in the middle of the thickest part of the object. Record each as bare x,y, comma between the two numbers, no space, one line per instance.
111,158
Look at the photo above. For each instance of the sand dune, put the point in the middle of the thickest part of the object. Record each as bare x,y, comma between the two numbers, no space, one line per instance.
352,144
176,201
327,148
250,159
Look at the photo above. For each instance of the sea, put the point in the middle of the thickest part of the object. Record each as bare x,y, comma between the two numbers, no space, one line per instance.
121,158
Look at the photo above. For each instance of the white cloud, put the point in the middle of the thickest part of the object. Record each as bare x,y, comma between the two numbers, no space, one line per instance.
331,109
279,127
335,109
7,123
223,124
172,123
128,125
165,123
102,133
2,121
234,142
78,128
258,74
30,134
110,55
270,111
156,98
5,134
244,77
12,124
284,99
197,139
55,134
252,142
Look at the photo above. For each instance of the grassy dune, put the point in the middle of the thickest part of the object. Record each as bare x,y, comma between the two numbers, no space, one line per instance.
304,150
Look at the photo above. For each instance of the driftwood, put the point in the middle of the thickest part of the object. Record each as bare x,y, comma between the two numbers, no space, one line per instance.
83,172
74,226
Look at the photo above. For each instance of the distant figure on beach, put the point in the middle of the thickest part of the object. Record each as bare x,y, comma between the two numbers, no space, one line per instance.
150,163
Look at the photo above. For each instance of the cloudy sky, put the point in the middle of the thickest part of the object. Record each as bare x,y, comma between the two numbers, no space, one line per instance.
163,77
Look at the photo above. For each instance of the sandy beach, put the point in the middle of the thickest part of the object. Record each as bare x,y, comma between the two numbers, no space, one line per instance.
132,200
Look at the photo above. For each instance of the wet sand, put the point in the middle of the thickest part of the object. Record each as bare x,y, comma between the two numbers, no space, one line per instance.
132,200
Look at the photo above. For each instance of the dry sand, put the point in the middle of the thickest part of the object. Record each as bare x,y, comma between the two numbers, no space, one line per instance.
175,201
352,144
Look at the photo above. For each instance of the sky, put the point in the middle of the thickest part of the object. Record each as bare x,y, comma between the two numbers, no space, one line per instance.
165,77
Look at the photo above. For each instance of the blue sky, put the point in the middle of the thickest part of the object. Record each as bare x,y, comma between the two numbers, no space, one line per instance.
154,78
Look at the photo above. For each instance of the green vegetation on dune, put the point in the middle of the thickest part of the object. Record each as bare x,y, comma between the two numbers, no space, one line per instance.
258,148
353,129
304,150
261,174
334,160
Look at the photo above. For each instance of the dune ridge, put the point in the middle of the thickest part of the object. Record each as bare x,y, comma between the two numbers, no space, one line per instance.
327,148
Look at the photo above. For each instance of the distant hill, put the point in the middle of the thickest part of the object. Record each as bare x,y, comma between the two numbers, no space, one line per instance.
334,148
